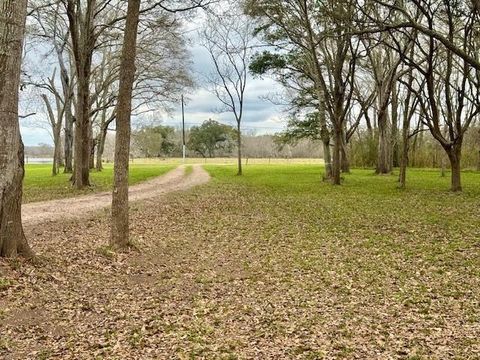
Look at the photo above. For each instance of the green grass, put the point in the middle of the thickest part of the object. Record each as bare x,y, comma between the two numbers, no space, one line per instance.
188,169
40,185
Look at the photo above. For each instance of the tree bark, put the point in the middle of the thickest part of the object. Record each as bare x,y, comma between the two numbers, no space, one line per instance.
120,216
478,158
327,158
101,147
325,135
337,156
383,157
239,150
394,153
68,142
344,154
93,145
82,32
68,114
56,125
82,133
455,155
407,116
404,157
12,29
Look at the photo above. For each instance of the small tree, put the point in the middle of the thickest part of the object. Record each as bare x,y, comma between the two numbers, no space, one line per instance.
228,38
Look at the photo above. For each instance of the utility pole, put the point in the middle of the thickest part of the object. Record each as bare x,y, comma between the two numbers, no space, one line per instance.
183,131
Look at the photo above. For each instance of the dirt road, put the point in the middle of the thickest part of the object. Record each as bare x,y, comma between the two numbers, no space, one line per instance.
71,208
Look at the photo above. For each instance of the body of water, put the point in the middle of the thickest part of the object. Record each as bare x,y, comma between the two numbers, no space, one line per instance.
38,160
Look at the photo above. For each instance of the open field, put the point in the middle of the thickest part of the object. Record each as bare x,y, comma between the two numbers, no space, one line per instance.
40,185
272,265
229,161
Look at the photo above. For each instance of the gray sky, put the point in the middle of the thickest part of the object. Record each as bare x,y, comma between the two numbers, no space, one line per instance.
260,115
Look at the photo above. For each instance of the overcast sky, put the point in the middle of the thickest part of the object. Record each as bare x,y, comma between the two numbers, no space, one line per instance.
260,115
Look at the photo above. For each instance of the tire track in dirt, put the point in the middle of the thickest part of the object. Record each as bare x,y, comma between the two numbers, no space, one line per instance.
72,208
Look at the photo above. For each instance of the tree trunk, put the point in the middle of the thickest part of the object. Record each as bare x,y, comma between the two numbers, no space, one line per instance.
455,155
82,29
57,133
69,118
239,146
325,135
93,145
404,155
56,126
55,159
442,170
478,158
67,108
101,148
394,153
12,28
337,156
383,157
68,142
344,154
368,122
327,158
120,216
82,132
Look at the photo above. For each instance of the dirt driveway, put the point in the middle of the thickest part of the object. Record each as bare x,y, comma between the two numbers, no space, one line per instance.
71,208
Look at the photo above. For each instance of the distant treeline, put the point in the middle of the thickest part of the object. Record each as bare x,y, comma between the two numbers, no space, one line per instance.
39,151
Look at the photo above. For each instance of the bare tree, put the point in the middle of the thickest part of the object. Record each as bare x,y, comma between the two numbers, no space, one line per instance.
228,39
49,28
56,121
12,28
162,74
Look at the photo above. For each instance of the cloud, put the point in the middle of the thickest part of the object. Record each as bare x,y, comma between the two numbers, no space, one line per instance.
34,136
260,115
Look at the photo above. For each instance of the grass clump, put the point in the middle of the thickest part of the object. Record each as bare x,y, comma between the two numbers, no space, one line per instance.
188,170
4,284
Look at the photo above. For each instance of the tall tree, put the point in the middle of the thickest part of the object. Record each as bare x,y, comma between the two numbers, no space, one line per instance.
120,208
12,29
316,39
120,217
445,63
83,32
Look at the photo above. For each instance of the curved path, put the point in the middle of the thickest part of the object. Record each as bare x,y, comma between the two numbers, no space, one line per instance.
71,208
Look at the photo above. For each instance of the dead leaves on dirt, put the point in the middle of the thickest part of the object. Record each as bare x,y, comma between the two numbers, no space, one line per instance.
226,271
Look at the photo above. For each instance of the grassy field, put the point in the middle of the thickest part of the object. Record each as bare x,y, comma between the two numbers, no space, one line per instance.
271,265
40,185
230,161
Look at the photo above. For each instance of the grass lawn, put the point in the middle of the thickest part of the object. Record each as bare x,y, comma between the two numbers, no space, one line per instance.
40,185
271,265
